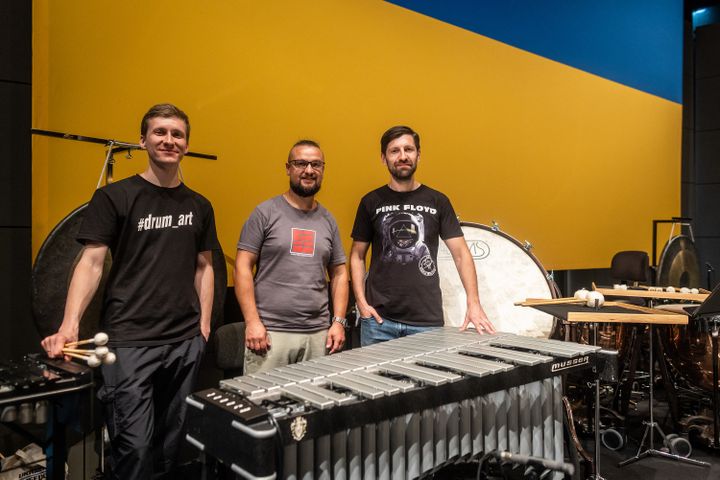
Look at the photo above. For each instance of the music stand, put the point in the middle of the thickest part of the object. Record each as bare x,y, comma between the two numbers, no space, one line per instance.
710,307
613,312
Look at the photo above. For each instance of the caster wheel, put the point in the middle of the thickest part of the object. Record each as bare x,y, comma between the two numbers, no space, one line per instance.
678,445
612,439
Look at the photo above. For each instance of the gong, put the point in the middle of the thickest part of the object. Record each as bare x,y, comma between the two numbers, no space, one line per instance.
53,269
679,265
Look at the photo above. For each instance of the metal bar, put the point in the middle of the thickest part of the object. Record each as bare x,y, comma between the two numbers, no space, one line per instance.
388,389
336,397
317,401
423,375
402,386
361,389
442,362
514,356
492,366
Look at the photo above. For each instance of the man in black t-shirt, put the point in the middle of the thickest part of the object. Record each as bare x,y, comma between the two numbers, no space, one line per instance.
404,221
157,301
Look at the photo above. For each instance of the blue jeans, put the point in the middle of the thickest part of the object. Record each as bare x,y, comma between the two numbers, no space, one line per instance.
372,332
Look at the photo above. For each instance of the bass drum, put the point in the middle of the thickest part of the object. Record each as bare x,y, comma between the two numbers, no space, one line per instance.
506,273
53,270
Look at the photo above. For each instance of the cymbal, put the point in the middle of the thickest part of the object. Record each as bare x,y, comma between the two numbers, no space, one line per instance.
679,264
117,145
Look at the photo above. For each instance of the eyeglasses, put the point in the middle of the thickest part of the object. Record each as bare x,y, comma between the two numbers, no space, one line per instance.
316,165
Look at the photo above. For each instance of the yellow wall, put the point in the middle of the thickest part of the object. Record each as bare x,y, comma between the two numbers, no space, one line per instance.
574,163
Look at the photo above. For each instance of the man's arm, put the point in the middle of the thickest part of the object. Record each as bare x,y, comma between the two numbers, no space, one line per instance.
339,291
205,288
358,252
466,268
256,337
83,285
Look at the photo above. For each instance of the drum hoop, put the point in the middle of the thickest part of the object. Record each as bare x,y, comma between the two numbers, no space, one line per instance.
554,290
50,236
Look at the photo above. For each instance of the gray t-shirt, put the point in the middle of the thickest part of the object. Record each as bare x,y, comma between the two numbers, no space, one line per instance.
294,249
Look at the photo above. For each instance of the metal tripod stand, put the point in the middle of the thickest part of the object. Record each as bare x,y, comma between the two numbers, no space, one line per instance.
596,475
652,425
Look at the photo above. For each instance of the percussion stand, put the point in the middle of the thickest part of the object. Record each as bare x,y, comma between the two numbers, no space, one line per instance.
596,475
714,324
651,425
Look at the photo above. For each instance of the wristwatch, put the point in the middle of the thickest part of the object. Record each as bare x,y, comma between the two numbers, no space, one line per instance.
341,320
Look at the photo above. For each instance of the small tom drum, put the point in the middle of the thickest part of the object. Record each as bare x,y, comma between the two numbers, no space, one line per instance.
507,273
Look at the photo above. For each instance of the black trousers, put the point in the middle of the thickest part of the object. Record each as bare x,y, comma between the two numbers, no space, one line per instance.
144,402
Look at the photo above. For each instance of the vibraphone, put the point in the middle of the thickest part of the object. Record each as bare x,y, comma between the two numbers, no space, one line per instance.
399,409
32,389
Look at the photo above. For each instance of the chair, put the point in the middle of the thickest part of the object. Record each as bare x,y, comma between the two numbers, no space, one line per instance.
631,266
229,348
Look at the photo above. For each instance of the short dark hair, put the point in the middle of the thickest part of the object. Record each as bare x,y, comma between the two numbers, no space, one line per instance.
165,110
303,143
397,132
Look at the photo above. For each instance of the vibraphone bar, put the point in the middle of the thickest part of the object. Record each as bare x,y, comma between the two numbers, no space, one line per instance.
399,409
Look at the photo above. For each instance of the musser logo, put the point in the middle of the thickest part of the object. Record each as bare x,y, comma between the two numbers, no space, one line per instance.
569,363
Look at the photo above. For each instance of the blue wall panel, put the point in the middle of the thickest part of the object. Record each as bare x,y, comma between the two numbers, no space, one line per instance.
637,43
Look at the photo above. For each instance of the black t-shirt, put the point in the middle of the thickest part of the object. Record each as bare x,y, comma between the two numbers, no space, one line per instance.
155,235
403,227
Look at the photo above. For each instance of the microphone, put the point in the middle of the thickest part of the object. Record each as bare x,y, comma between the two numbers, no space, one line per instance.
566,468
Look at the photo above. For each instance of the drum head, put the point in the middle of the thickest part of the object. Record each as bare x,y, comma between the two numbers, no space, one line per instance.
507,273
679,265
53,270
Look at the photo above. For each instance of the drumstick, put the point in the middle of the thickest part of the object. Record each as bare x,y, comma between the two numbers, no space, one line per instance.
100,338
638,308
99,352
79,351
91,360
549,301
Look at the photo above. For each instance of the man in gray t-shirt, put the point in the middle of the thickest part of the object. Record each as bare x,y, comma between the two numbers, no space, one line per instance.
294,245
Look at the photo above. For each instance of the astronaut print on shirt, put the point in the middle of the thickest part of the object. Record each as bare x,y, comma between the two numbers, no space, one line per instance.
403,234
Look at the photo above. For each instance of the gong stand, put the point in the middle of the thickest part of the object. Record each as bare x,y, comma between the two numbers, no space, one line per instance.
682,221
112,147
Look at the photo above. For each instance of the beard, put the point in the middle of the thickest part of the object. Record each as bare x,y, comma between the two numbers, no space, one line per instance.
301,191
404,174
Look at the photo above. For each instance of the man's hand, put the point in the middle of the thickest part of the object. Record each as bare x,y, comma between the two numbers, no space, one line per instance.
256,337
54,344
476,316
368,311
335,337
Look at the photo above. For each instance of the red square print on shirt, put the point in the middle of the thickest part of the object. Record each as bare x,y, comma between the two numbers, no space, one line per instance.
303,242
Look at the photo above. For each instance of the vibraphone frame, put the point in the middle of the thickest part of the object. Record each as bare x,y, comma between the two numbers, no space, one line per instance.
263,437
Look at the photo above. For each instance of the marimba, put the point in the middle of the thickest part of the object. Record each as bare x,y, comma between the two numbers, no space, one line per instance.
398,409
